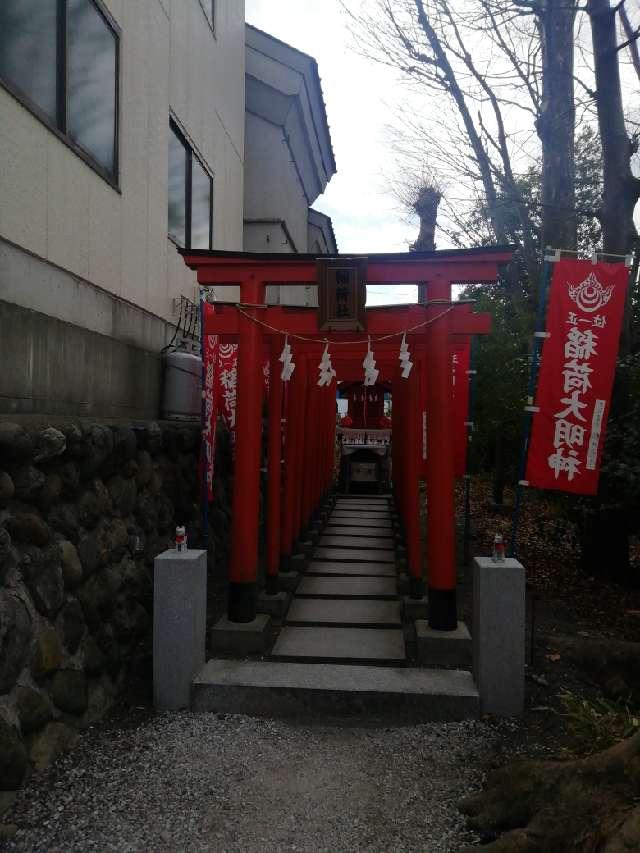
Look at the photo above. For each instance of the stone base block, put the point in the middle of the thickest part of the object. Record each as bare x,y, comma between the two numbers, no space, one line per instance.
403,582
274,605
414,609
298,563
288,581
241,638
444,648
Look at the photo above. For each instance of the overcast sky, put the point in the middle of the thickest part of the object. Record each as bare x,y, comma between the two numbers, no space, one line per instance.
359,97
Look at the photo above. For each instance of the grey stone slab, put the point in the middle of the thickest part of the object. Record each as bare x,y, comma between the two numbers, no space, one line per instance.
355,542
277,689
355,612
362,523
336,530
443,648
365,513
351,645
347,587
179,625
369,555
326,567
360,507
499,634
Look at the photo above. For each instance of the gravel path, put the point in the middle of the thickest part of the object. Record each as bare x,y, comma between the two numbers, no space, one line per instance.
208,782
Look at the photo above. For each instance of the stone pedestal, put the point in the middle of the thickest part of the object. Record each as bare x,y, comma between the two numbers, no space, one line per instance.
443,648
274,605
241,638
288,581
179,625
499,635
414,608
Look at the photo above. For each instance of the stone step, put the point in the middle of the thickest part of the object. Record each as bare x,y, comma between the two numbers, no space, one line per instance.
275,689
370,516
371,555
348,506
325,567
362,532
344,612
381,646
349,521
373,542
347,587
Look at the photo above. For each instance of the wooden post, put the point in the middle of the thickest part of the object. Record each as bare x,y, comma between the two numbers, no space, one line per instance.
440,462
243,572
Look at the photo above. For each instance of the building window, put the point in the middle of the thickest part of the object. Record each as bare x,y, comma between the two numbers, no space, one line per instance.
190,195
60,58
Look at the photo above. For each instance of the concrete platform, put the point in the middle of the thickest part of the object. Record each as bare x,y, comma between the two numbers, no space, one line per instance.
355,542
347,587
273,689
382,646
360,532
344,612
323,567
369,555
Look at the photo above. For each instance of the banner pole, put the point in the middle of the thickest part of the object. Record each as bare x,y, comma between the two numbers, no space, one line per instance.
536,350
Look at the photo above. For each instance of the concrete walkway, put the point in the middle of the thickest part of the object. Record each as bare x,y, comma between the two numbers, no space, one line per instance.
346,609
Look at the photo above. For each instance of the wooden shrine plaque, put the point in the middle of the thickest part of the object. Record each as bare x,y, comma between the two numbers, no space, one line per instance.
342,294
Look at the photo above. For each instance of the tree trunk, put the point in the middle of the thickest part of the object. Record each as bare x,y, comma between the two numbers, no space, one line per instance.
605,541
620,188
556,125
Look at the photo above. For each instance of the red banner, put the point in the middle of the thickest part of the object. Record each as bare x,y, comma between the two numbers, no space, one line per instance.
578,364
210,365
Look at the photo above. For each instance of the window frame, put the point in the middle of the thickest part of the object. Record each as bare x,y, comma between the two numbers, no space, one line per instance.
175,128
59,126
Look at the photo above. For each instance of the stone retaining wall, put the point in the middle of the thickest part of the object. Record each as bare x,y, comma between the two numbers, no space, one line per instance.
84,509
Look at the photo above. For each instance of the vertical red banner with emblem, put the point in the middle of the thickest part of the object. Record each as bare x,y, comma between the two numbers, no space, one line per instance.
577,369
227,383
209,426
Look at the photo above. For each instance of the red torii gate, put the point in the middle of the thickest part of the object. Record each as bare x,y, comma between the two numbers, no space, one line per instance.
310,410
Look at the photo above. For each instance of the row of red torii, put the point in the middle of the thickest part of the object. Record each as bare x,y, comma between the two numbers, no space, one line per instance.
307,413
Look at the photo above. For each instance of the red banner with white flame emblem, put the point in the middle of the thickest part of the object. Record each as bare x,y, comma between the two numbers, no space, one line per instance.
578,364
209,426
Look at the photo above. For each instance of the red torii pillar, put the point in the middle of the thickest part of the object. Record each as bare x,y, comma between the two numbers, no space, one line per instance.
243,569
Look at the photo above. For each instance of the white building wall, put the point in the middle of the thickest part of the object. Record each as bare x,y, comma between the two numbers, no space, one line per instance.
53,205
272,186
